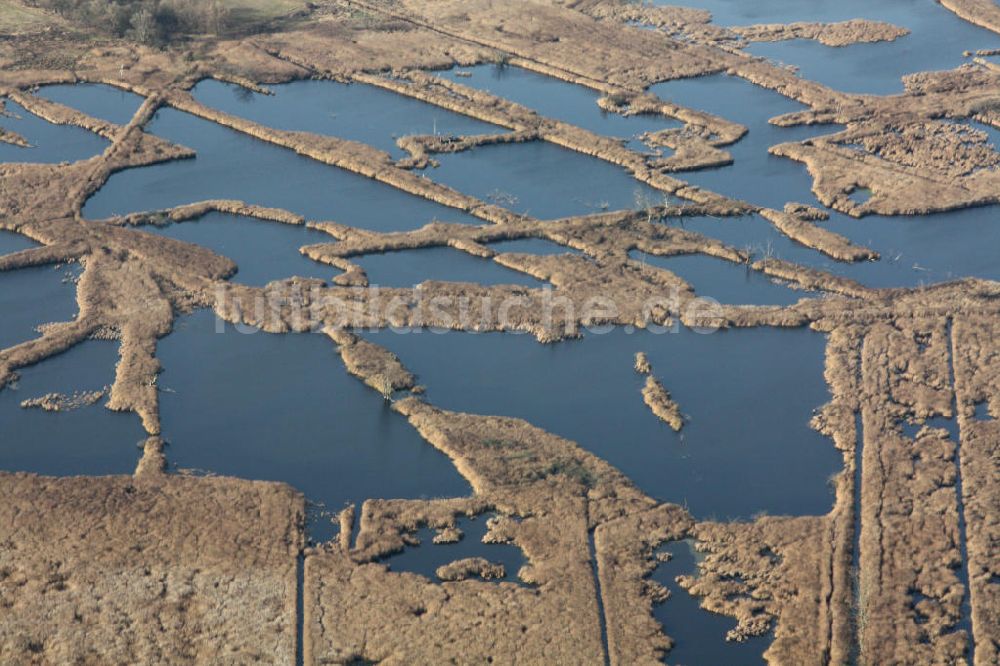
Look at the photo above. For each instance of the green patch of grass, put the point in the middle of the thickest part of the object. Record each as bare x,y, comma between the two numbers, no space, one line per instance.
498,443
242,12
574,470
524,455
15,18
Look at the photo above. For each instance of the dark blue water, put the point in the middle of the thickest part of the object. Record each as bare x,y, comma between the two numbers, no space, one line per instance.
860,195
283,408
915,250
50,144
263,250
11,242
756,235
428,556
699,635
32,296
94,99
910,428
749,395
231,165
936,41
992,133
90,440
724,281
356,111
410,267
559,100
755,176
542,179
925,249
736,12
938,38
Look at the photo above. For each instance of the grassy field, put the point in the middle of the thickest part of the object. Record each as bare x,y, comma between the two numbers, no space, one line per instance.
259,11
16,18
